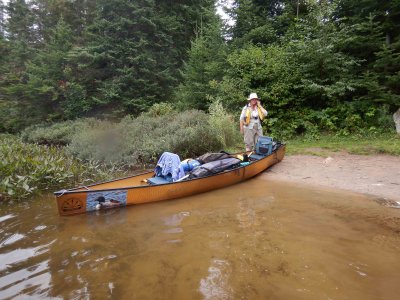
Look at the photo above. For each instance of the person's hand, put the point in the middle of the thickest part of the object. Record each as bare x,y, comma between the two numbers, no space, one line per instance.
258,103
241,131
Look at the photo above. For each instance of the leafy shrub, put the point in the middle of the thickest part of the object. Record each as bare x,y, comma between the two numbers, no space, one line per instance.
223,124
160,109
12,118
58,133
142,140
26,169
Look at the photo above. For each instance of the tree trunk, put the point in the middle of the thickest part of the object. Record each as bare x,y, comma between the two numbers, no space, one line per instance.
396,119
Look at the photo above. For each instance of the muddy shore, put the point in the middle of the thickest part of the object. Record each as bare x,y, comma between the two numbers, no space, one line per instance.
376,175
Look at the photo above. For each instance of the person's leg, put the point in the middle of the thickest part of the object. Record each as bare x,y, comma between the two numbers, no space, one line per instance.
249,138
257,134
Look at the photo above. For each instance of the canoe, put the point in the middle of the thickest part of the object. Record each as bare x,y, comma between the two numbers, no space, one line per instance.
136,190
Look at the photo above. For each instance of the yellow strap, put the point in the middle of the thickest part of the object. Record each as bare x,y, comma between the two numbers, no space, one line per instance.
248,115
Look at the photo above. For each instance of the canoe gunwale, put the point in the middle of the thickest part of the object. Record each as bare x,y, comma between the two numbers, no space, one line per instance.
88,190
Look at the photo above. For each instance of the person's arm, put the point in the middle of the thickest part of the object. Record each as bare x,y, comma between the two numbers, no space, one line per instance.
263,110
241,121
241,126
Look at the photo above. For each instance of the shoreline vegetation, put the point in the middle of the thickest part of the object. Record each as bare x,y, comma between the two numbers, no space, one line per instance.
119,82
48,157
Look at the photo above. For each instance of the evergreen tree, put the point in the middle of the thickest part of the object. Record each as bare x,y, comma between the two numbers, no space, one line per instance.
381,83
262,22
134,53
41,92
385,12
375,38
20,46
128,47
46,80
78,14
205,67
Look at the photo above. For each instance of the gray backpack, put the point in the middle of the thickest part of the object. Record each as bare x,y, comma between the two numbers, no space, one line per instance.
214,167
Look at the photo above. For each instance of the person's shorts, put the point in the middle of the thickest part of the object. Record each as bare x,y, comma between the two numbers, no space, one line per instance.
251,136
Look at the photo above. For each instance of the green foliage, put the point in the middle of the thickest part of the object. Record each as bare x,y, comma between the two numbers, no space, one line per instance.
58,133
259,22
204,68
224,128
46,81
160,109
131,60
26,169
64,60
270,71
40,92
363,143
309,81
329,66
142,140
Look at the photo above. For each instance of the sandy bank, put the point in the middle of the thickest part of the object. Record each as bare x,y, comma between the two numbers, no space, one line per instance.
377,175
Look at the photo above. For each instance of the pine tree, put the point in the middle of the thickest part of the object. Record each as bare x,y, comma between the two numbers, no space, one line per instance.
205,67
261,22
134,54
42,90
46,72
20,45
78,14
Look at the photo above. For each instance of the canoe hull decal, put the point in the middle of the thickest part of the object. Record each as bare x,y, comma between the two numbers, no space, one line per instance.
72,204
105,200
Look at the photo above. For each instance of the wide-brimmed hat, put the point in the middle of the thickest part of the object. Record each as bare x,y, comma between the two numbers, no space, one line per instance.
253,96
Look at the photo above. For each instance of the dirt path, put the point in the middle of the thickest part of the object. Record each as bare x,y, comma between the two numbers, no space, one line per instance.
377,175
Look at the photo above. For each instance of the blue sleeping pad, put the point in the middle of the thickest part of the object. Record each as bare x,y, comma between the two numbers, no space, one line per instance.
158,180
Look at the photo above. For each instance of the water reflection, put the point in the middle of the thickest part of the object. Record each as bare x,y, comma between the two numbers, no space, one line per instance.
216,284
11,239
6,217
257,240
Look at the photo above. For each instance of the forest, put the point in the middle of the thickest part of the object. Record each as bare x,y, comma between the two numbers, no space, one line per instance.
318,65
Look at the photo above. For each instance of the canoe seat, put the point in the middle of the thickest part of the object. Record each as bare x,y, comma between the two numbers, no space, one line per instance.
157,180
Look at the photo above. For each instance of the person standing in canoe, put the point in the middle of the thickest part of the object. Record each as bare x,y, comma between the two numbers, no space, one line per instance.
250,121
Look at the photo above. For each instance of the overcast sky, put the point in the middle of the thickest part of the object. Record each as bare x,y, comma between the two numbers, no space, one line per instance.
223,15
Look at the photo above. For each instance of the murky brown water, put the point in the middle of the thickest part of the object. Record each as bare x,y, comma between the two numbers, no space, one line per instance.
257,240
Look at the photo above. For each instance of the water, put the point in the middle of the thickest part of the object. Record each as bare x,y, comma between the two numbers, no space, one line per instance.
256,240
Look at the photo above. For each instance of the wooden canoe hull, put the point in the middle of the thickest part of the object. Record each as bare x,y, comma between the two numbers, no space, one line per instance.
132,190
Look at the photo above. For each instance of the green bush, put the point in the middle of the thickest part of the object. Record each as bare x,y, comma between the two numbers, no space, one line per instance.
142,140
160,109
26,169
58,133
223,125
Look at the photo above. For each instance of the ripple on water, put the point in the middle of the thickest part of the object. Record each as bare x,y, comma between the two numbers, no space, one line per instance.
6,217
12,239
18,255
176,219
216,284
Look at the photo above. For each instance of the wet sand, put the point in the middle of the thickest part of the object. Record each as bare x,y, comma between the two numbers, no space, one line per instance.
376,175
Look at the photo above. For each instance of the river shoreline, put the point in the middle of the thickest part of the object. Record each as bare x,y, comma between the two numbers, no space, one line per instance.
376,175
